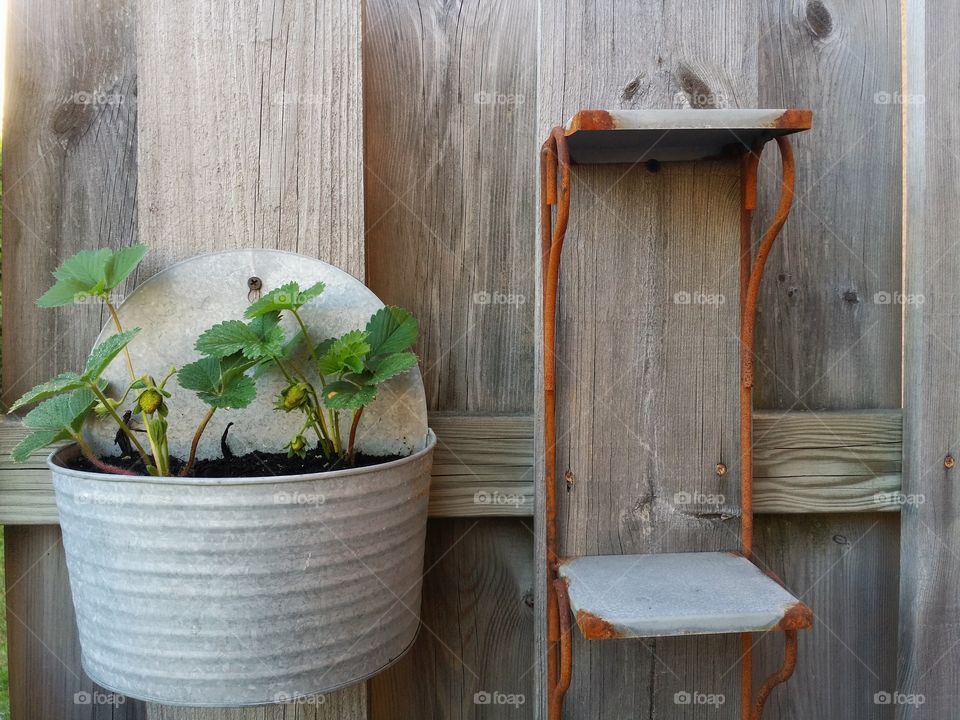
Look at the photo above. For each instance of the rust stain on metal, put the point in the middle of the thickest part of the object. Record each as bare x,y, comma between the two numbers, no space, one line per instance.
797,617
782,675
795,119
594,627
591,120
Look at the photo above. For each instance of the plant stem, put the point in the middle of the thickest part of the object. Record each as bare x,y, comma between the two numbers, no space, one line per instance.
126,351
332,414
306,339
353,433
337,435
123,426
196,441
88,453
157,444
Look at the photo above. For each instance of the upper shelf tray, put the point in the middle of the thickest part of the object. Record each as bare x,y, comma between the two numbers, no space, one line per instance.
631,136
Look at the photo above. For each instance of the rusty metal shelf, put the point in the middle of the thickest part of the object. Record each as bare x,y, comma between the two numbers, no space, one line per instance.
637,596
669,594
631,136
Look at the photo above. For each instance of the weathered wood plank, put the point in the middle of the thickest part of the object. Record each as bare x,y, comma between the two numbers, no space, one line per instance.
251,129
450,180
929,633
69,179
263,142
806,463
474,656
827,339
827,462
450,98
647,386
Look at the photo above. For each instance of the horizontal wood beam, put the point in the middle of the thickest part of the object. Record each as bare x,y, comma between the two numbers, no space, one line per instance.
483,466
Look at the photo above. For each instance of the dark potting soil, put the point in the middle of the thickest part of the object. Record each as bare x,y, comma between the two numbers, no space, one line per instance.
255,464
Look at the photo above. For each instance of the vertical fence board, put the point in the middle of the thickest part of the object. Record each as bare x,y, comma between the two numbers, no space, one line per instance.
69,181
450,98
251,129
930,583
826,337
250,136
647,386
450,94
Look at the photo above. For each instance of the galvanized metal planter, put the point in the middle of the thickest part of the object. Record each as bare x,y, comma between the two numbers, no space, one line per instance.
242,591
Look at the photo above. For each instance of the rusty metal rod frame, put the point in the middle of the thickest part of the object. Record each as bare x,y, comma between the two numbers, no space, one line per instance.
789,664
555,191
752,270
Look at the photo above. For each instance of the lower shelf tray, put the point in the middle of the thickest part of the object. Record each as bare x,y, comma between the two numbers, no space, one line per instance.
660,595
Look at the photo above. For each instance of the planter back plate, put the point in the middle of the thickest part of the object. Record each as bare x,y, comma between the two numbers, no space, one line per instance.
176,305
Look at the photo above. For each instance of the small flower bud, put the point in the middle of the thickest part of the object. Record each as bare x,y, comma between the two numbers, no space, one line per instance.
297,446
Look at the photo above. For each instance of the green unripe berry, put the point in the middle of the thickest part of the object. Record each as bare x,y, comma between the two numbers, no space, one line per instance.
150,400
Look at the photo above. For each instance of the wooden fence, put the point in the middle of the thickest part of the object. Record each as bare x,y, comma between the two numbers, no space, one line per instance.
398,140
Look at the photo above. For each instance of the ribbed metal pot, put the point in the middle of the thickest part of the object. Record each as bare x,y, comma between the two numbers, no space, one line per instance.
242,591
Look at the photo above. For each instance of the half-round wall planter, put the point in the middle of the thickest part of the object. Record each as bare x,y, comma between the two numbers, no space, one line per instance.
241,591
246,590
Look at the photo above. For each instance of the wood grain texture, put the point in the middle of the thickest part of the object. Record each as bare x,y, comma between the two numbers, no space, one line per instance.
332,706
930,582
69,179
250,129
840,566
482,466
474,656
450,105
826,338
450,92
827,462
647,402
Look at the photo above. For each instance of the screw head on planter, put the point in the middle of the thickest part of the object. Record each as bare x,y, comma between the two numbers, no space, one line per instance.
181,303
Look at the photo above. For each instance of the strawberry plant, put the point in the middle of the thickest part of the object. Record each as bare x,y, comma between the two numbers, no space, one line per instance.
324,379
343,375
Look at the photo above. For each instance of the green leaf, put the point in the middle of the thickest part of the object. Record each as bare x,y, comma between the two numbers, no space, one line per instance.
122,263
88,267
63,292
237,393
391,365
344,354
91,273
262,337
200,375
218,386
391,330
288,296
34,441
61,412
346,396
65,382
104,353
